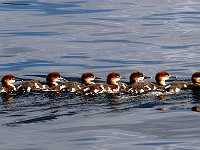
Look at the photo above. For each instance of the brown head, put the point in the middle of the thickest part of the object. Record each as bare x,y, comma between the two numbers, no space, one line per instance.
161,77
113,78
88,78
53,79
196,78
8,81
137,77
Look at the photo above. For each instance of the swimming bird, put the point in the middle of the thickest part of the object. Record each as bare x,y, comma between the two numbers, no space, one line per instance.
160,78
171,88
52,84
195,85
138,85
7,84
87,79
112,85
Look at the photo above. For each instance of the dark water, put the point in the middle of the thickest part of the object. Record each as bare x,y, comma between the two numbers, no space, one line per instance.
72,37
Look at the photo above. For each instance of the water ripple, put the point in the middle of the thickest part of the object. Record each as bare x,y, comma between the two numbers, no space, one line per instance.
179,46
33,120
17,50
177,13
99,36
25,64
35,63
29,34
147,62
113,41
50,8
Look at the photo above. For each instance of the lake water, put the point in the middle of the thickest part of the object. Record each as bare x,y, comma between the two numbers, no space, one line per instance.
72,37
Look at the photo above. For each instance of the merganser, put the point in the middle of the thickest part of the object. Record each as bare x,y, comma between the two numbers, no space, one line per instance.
7,82
171,88
160,84
138,85
87,79
52,84
112,85
195,85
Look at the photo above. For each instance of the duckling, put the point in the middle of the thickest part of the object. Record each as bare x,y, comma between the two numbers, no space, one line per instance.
87,79
138,85
113,85
53,82
160,84
195,85
7,82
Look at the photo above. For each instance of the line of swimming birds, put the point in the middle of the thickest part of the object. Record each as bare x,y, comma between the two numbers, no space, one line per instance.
138,84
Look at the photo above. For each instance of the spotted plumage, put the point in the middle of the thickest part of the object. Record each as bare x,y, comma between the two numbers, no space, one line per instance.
29,86
138,85
52,84
177,86
87,79
160,84
112,85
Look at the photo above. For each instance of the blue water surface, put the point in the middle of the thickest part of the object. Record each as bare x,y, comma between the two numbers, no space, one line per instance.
75,36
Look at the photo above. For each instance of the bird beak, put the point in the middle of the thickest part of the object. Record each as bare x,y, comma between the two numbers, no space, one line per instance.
61,79
98,78
18,79
146,77
172,76
123,78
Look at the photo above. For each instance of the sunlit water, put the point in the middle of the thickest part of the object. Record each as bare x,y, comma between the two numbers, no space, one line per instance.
72,37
